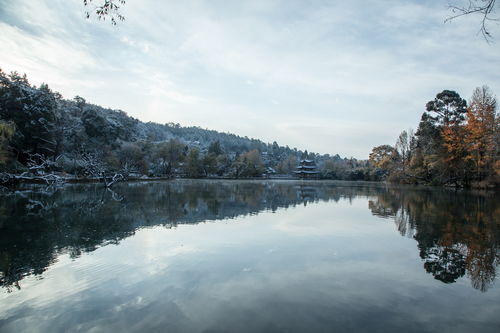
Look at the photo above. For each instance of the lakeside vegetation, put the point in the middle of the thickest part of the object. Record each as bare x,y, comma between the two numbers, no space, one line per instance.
455,144
47,138
44,134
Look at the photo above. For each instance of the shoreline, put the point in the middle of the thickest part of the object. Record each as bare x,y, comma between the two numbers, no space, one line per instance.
54,179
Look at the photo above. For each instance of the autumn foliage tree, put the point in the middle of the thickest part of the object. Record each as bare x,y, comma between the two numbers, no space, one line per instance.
453,145
383,158
451,110
482,132
453,140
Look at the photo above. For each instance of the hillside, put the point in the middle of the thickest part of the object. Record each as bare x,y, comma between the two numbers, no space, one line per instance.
41,132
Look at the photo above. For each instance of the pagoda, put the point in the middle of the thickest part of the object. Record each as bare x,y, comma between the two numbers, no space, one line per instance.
306,169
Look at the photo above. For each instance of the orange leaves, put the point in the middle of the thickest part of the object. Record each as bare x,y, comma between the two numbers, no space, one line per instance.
453,136
481,129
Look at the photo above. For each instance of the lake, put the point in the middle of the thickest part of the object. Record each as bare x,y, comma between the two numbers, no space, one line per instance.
248,256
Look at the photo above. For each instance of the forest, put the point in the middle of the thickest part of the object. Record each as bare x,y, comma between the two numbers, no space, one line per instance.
456,144
46,137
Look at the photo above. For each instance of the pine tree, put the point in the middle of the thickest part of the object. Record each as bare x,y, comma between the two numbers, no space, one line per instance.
447,108
447,114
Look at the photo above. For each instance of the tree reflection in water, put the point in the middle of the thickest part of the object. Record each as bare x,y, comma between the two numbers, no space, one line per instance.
457,233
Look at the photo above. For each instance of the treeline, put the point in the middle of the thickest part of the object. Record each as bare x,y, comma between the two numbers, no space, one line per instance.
455,144
42,133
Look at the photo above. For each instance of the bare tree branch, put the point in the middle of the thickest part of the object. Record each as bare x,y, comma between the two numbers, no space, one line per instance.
108,8
484,8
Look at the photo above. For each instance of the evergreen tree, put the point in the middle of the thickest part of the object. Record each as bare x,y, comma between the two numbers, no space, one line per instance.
439,153
448,107
7,130
215,148
32,111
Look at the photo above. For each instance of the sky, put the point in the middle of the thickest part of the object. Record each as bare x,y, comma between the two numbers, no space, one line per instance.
333,77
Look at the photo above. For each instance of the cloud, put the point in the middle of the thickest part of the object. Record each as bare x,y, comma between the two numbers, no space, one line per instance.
355,69
45,58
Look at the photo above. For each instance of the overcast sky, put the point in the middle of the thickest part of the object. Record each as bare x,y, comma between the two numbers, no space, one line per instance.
327,76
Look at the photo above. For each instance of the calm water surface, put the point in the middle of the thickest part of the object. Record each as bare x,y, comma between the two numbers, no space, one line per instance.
231,256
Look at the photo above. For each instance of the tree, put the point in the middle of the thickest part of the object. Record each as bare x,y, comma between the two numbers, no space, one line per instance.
96,126
384,159
193,166
483,8
92,164
215,148
106,8
132,158
80,102
209,164
383,156
426,158
439,150
453,140
288,165
223,163
248,164
448,107
428,137
404,146
7,130
32,110
333,169
451,109
482,128
168,155
304,155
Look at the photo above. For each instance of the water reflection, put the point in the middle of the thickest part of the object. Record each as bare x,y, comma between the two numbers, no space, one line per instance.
38,224
457,233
